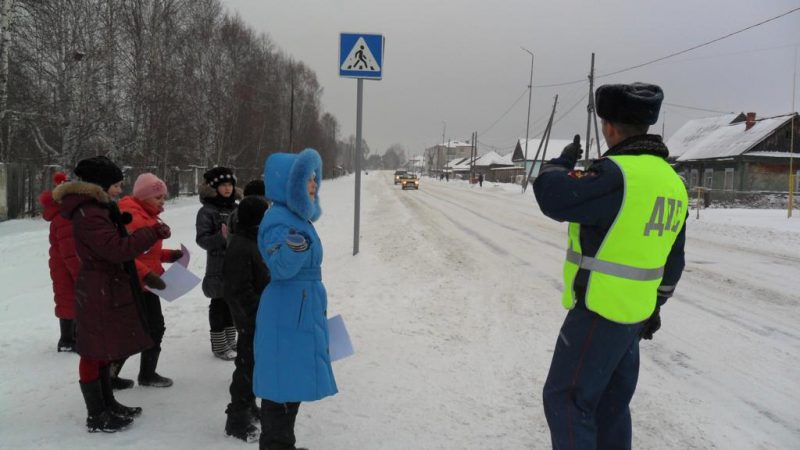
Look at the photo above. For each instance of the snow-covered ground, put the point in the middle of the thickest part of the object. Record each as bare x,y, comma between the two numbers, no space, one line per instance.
453,307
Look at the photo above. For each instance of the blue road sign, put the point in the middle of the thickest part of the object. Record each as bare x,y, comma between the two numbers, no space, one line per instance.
361,55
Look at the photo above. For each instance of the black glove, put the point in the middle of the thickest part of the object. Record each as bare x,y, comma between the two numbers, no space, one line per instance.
175,255
161,230
651,325
573,151
154,281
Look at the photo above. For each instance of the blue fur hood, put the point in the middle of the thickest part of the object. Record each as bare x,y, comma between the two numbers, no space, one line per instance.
286,175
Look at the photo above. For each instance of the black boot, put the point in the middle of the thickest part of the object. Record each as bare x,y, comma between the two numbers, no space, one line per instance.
112,404
118,383
66,343
277,425
255,414
239,425
147,370
99,418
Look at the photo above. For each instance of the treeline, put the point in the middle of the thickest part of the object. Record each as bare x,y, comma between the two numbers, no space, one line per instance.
155,83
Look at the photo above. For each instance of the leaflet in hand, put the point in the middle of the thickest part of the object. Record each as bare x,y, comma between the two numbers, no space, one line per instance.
178,278
339,344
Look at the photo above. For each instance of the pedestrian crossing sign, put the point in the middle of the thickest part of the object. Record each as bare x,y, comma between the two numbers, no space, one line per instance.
361,55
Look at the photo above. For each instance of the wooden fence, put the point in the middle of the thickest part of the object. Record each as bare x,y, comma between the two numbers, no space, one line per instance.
21,184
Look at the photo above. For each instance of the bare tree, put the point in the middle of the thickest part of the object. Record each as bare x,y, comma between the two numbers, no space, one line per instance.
152,83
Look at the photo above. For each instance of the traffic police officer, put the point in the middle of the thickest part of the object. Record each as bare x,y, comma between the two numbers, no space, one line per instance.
626,217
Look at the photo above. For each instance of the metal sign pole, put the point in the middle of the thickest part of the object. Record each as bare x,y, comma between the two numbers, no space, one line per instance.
360,97
360,56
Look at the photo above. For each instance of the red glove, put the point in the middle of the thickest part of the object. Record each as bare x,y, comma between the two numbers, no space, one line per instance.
161,230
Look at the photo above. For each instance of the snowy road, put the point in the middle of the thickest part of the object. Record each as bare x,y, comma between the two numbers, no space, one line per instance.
453,307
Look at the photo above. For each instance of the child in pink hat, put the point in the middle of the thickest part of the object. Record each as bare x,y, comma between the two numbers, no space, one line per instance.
147,202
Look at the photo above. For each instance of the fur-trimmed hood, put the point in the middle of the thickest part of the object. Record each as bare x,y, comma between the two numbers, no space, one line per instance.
94,191
286,176
74,194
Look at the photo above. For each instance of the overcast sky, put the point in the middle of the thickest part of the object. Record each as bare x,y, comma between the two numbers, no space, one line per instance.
460,62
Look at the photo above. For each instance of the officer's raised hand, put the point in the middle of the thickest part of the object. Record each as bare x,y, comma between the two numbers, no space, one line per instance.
573,151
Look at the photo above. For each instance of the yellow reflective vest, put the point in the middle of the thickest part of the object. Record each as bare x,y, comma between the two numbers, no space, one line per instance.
625,273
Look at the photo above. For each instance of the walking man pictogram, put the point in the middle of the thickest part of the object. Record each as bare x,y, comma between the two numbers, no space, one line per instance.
361,60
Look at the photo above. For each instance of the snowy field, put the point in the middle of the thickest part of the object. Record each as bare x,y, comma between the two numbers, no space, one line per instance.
453,307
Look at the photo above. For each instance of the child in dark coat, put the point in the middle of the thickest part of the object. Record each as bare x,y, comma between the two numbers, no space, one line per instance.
218,196
245,276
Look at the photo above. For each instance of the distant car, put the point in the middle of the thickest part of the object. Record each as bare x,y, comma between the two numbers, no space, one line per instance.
398,174
409,181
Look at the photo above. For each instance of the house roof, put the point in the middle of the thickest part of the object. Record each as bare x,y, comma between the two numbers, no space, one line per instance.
717,137
494,159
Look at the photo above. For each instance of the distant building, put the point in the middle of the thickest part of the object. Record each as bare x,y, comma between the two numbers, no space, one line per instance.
437,157
495,167
737,153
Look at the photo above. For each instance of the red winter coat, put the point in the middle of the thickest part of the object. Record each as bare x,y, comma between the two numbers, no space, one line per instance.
64,262
144,216
107,293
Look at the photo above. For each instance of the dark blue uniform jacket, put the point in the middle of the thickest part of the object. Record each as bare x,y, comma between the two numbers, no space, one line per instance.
593,200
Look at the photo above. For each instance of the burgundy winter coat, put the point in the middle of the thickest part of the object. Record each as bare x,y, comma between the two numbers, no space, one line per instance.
107,293
64,262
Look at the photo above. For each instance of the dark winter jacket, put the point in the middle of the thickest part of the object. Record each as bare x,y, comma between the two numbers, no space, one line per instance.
214,212
245,276
233,223
107,295
594,199
64,262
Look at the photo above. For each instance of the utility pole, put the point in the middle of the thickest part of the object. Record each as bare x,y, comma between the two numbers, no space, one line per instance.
473,155
444,130
528,120
291,113
791,139
545,138
590,110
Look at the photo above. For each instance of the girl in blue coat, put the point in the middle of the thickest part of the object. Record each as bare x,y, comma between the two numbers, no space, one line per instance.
292,363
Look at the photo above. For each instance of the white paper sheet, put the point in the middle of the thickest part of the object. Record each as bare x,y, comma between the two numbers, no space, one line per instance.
339,344
184,260
179,281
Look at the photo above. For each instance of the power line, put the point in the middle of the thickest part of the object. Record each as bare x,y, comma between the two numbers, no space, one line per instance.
703,44
507,111
674,54
699,109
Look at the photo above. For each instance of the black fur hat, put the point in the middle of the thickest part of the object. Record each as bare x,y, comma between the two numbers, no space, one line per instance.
634,104
214,177
98,170
251,210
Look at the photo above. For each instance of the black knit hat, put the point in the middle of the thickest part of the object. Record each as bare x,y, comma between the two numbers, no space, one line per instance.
254,187
633,104
251,210
214,177
98,170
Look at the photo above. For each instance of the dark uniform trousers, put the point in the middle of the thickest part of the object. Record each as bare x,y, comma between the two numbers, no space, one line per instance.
591,382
